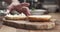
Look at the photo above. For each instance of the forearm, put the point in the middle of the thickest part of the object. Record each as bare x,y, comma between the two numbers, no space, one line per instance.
25,4
9,9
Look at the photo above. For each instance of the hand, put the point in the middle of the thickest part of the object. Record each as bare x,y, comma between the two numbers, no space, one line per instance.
7,12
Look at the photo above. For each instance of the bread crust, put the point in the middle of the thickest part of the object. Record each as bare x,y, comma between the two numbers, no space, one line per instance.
42,18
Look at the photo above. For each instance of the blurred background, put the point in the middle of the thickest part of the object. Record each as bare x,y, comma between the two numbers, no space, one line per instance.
47,6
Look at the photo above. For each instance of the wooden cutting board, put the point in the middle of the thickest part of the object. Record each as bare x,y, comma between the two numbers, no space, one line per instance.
30,25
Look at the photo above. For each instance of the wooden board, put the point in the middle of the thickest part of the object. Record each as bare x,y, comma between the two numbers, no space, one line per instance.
30,25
